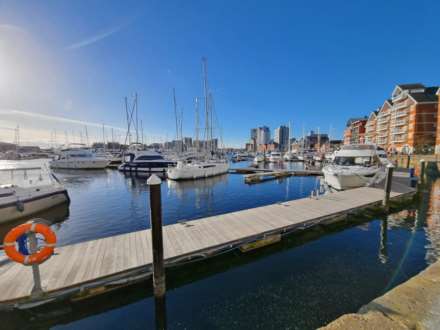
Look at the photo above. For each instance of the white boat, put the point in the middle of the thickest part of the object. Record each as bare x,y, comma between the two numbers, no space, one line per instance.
382,156
259,158
210,165
78,157
26,191
289,156
318,157
353,166
275,157
147,161
197,170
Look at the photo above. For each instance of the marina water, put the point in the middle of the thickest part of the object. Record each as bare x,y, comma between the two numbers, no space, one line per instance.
301,283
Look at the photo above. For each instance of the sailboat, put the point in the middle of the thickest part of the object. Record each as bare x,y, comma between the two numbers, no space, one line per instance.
289,156
209,165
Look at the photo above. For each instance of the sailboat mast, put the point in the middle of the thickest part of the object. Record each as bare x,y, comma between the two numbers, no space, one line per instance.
319,140
142,132
205,88
176,115
196,105
288,141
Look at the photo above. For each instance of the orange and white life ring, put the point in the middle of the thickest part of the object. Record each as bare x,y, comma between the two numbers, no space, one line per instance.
42,255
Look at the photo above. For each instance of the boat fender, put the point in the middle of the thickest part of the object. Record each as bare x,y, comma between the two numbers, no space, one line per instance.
19,206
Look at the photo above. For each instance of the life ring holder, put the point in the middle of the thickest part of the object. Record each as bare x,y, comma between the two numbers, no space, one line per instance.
33,227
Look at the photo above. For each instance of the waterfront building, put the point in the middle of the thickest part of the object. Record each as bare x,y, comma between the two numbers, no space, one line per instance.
355,131
267,147
413,118
254,133
281,137
370,128
383,124
314,141
263,135
406,123
437,140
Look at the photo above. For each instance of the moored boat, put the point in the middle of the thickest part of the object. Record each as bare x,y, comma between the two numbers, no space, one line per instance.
353,166
147,161
197,170
26,191
78,157
275,157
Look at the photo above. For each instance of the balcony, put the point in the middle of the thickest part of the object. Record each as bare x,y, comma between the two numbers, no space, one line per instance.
382,135
400,113
401,138
399,130
400,105
382,120
382,128
381,141
399,122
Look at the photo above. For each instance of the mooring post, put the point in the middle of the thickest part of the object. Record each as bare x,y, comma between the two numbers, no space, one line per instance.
387,188
159,287
422,170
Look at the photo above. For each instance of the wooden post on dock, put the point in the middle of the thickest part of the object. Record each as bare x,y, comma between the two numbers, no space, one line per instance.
422,171
387,188
159,286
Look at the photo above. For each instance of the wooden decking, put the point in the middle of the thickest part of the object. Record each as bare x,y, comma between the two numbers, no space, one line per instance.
88,268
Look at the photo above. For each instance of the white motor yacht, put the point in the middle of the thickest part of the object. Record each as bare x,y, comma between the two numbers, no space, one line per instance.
26,191
382,156
78,157
289,156
259,158
275,157
197,170
353,166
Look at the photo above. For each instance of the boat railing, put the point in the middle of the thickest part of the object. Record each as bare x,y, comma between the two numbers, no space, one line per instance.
25,176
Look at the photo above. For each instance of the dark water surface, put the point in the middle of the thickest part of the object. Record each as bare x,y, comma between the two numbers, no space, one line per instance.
303,282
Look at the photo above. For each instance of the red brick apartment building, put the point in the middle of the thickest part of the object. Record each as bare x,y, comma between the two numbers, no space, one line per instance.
405,123
355,131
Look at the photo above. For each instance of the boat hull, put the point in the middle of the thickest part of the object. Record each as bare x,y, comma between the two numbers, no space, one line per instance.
145,167
13,210
345,181
195,172
80,165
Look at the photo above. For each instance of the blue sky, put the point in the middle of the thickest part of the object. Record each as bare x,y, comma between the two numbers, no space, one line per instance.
313,63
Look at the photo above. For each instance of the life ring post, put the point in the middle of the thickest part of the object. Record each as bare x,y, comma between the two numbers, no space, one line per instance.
37,290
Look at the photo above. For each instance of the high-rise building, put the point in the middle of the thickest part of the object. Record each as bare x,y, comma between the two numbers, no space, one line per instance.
263,135
281,137
254,132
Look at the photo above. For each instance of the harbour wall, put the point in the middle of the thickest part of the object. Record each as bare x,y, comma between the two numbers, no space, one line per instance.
414,304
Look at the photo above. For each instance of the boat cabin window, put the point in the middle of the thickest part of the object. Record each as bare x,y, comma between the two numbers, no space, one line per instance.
351,161
155,157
